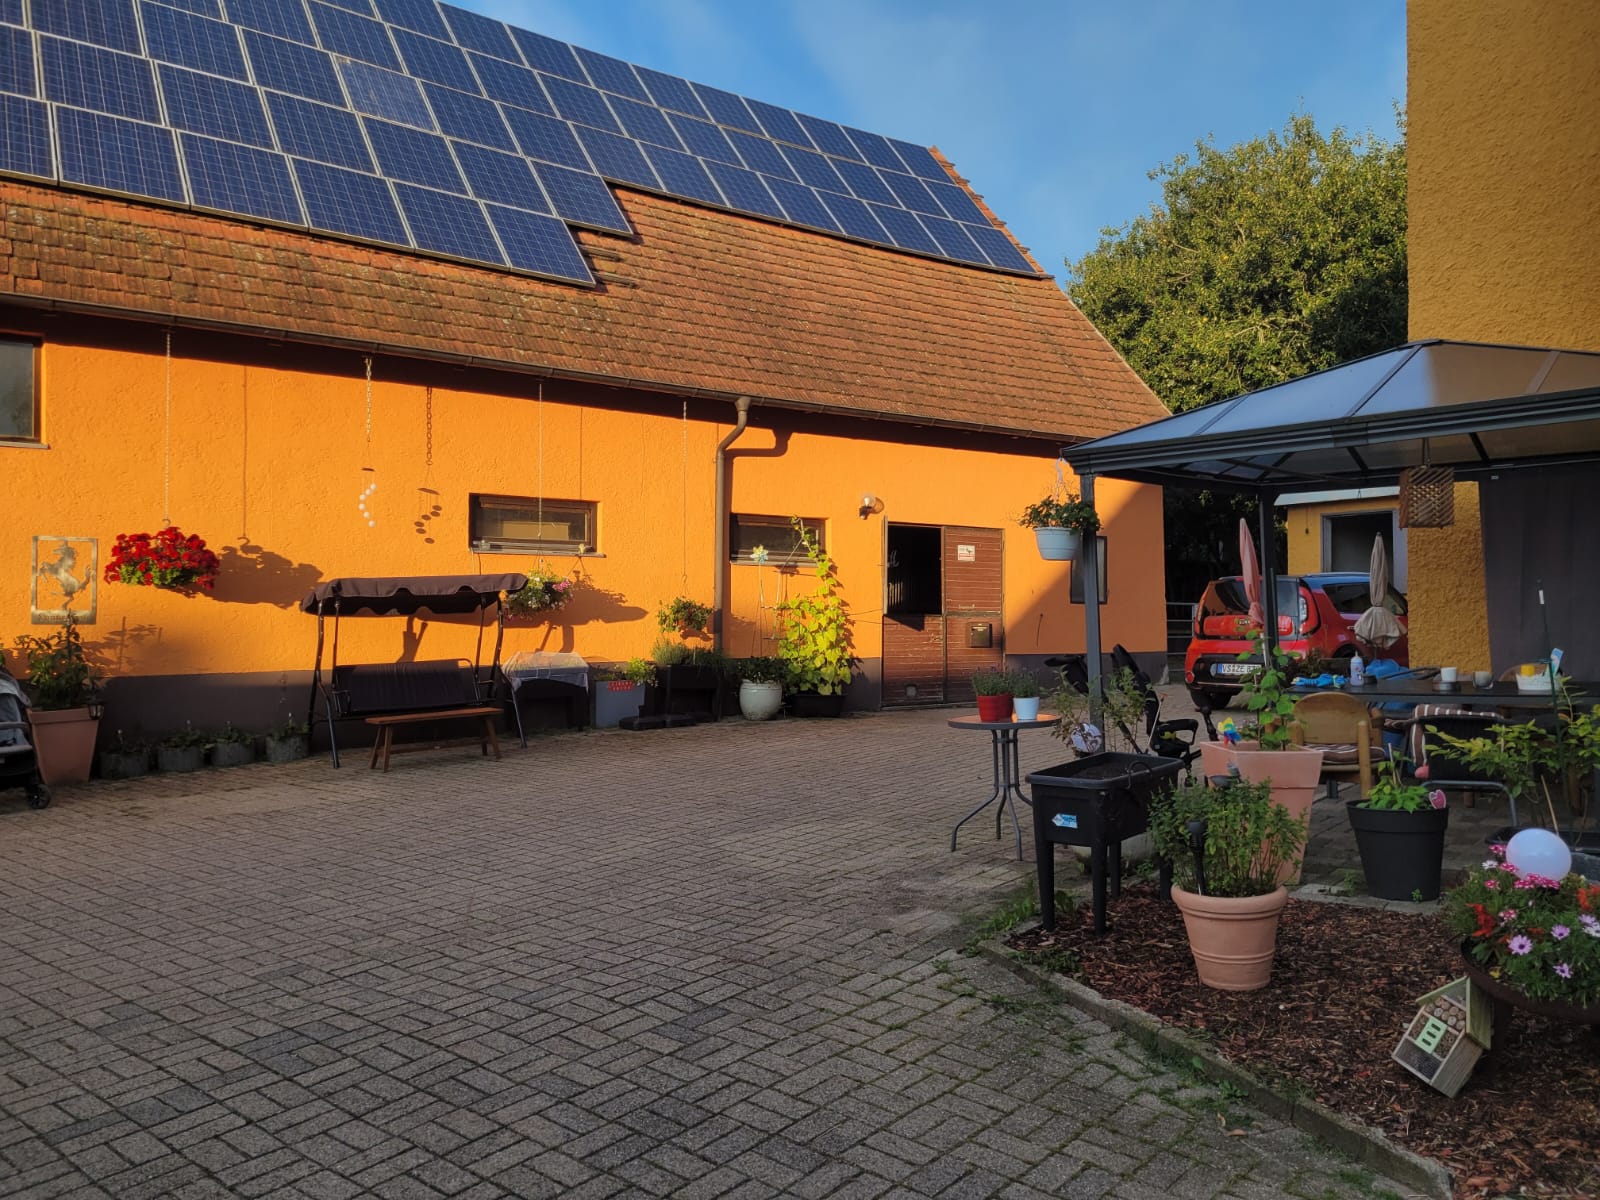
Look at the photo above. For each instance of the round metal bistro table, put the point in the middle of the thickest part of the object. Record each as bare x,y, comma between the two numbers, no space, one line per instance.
1007,769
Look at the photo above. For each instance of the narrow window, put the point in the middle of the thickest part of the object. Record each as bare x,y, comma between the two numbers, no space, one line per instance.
19,390
524,525
777,535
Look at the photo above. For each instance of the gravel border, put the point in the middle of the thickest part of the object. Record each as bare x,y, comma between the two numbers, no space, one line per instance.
1361,1142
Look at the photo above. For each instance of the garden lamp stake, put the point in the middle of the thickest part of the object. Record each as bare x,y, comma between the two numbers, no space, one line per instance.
1197,846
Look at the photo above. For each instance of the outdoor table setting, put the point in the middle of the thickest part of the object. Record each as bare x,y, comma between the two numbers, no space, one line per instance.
1423,685
1006,766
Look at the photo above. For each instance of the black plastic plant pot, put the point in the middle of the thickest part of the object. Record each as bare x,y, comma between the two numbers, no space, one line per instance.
815,704
1402,853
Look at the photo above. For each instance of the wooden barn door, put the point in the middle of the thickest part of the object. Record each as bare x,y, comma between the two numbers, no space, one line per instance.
942,593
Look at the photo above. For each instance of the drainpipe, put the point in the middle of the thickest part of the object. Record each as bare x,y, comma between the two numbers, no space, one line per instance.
720,588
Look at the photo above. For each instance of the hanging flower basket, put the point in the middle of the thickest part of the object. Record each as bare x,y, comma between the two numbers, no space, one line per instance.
169,559
544,592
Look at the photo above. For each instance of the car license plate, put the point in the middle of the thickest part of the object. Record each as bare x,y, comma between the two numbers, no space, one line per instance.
1235,668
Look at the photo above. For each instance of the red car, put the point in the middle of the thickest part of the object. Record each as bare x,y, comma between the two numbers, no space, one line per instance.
1316,613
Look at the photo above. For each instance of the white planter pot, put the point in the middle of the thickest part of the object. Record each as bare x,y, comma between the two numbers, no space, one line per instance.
1057,545
1026,708
758,701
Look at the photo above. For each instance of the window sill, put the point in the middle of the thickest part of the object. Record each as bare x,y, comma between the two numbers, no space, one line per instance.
541,553
22,444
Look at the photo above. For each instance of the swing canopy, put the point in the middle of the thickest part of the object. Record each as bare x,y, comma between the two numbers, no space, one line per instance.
402,596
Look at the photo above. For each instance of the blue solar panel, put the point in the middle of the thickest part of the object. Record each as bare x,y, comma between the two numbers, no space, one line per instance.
539,244
813,169
439,62
668,91
779,123
346,202
581,199
875,149
380,93
315,131
216,107
511,84
802,205
919,160
617,158
855,217
16,62
548,139
108,23
503,178
744,190
414,156
683,175
905,229
957,203
482,34
761,155
448,224
363,7
863,182
362,38
953,240
25,137
612,74
645,122
10,12
726,108
419,16
240,179
1002,253
469,117
200,8
829,137
704,139
548,55
122,156
280,18
88,77
190,41
911,193
294,68
578,103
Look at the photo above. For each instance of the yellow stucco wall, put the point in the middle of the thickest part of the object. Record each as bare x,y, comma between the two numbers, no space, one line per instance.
1304,522
1503,153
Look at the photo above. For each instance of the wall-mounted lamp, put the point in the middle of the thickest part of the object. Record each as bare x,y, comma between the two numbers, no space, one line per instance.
870,506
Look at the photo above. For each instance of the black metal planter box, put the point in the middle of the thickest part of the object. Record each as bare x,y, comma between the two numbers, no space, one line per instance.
1095,802
687,691
815,704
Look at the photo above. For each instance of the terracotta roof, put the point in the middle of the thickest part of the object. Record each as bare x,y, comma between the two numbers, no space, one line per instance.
699,301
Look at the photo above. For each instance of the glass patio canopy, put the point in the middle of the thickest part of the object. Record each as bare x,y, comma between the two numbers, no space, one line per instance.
1468,405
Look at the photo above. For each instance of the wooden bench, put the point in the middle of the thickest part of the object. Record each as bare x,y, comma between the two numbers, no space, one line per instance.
384,742
385,695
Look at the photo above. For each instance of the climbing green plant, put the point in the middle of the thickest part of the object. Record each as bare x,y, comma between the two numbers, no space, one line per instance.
814,630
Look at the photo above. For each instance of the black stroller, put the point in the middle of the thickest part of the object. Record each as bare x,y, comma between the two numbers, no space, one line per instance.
19,765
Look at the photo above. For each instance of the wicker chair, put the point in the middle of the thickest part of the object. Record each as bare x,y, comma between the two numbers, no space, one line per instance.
1341,726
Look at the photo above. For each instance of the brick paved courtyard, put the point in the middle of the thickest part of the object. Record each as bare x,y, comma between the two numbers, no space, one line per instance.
709,962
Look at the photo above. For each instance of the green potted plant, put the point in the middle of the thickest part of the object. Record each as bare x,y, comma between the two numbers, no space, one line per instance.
993,690
125,758
1400,830
1060,522
182,750
288,741
760,686
63,702
1272,756
814,638
618,692
1026,691
1228,844
232,747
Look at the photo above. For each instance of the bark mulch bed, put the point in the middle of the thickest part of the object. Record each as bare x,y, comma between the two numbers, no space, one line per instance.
1344,987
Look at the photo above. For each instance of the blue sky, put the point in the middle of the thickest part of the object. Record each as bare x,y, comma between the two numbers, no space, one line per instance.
1056,110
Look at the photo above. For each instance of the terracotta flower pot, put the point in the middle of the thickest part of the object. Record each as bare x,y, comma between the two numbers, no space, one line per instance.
1294,774
1215,757
1233,939
994,708
64,739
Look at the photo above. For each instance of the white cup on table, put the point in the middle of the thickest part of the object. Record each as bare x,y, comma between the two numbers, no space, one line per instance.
1482,679
1447,674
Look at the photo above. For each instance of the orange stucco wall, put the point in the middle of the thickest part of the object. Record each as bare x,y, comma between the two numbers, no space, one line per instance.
268,446
1503,154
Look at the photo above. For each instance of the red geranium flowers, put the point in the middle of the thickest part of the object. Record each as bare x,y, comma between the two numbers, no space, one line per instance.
168,559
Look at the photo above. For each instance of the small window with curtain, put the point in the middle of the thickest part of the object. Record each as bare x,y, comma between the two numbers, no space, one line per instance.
19,390
524,525
777,535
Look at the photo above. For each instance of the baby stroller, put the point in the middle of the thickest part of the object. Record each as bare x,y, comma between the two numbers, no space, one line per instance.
19,765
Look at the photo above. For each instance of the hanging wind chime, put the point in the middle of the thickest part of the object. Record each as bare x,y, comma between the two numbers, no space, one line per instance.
369,473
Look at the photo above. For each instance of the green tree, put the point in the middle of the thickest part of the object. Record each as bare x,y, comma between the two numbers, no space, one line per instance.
1261,263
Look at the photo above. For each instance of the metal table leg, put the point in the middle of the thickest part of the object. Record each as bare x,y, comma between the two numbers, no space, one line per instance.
998,793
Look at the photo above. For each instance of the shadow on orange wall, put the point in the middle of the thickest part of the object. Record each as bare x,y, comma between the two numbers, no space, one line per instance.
252,574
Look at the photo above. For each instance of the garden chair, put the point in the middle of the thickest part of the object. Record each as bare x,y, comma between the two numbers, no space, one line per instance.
1445,770
1342,727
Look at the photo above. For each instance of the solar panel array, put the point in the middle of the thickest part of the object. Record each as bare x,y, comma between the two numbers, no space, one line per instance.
418,124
